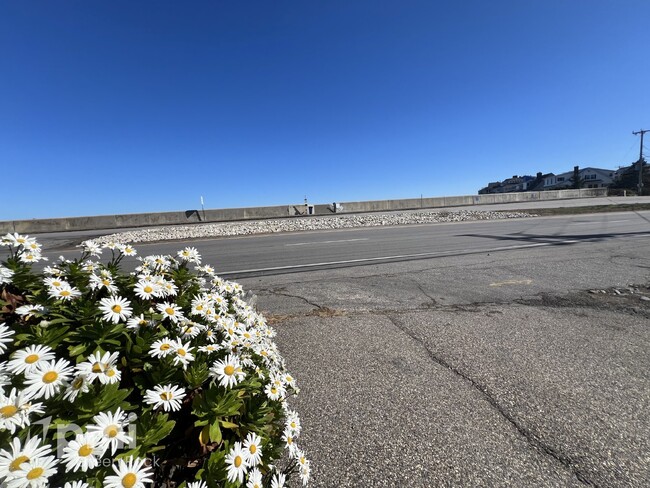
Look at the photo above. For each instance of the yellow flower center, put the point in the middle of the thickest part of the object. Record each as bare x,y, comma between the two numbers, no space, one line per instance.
31,359
148,289
181,352
229,370
111,431
15,464
116,308
106,282
169,311
129,480
238,461
289,440
56,283
289,379
274,390
65,293
8,411
253,448
50,377
166,396
293,425
164,347
97,367
110,372
35,473
77,383
85,450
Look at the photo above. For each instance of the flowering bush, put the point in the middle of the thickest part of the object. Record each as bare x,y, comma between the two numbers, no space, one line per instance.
161,376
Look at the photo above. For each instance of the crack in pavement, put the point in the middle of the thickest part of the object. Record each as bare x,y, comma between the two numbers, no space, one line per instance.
289,295
433,300
531,438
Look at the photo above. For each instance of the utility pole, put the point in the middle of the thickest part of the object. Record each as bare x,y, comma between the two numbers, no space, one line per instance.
641,160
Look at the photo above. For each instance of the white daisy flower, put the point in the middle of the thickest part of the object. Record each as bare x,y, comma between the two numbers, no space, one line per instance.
33,473
55,282
254,479
111,245
47,378
112,428
253,449
289,380
137,322
127,249
5,275
15,409
197,484
278,480
168,396
146,289
98,282
26,360
53,271
236,462
31,257
190,329
64,292
101,366
305,473
170,311
209,349
11,461
182,353
289,441
92,248
169,288
131,474
79,384
76,484
275,392
83,453
115,309
30,310
293,423
189,254
5,337
161,348
228,371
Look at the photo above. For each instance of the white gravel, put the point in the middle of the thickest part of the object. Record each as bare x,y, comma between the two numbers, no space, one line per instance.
225,229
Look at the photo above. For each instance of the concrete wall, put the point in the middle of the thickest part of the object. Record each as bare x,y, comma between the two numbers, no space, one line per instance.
440,202
283,211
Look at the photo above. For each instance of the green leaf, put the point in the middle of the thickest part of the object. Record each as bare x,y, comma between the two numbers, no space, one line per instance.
215,432
228,425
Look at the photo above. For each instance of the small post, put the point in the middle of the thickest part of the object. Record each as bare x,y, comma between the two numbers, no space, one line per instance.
640,184
202,208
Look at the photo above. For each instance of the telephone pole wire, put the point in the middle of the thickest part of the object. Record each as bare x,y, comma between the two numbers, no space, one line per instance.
641,160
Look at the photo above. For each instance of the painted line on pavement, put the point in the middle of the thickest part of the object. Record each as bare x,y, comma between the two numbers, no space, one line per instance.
399,256
326,242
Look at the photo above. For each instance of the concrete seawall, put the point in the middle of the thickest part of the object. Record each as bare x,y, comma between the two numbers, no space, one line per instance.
280,211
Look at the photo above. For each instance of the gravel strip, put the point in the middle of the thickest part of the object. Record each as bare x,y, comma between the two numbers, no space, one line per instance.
227,229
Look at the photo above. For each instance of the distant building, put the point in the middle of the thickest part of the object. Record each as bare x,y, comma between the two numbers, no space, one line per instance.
514,184
587,178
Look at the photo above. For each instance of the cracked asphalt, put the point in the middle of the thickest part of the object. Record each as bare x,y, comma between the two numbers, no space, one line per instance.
481,370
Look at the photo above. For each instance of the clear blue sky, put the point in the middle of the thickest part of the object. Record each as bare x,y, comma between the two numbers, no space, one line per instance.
137,106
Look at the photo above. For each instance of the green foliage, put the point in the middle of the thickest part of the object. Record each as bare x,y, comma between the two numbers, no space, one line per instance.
183,368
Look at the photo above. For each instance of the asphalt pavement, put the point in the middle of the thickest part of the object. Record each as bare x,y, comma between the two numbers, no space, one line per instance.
514,353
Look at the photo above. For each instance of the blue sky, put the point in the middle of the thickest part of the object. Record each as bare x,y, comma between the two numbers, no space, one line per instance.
124,107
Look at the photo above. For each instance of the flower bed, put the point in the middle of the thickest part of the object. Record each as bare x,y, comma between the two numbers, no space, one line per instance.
161,376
